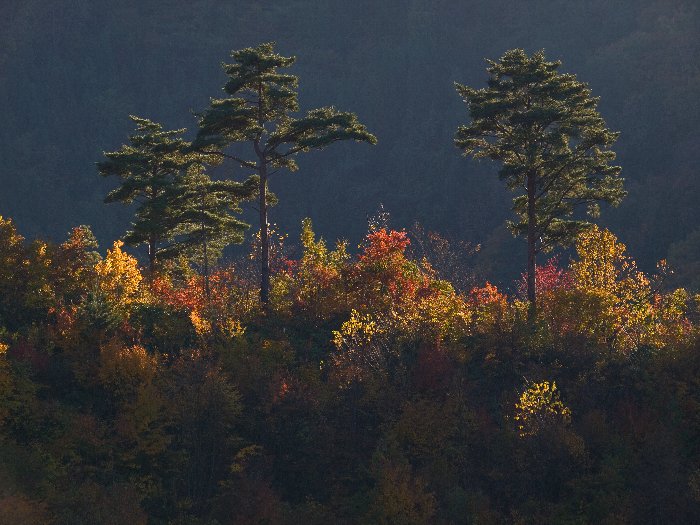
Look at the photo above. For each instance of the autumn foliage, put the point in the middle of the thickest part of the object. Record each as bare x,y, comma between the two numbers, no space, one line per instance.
373,391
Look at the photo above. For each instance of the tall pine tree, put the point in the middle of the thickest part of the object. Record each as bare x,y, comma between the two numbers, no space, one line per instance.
259,111
181,211
554,148
148,168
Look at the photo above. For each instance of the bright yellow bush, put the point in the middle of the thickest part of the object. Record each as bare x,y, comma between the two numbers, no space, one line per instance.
119,277
123,369
540,407
610,301
361,347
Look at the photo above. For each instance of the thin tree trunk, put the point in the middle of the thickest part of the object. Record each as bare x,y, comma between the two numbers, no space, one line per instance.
207,290
205,254
262,194
152,241
151,258
264,241
531,247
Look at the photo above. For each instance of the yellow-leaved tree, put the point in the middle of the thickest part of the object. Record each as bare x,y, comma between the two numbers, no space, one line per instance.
603,264
624,304
119,277
613,285
317,289
609,300
539,408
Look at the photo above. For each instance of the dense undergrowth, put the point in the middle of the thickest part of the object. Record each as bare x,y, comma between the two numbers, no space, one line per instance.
374,390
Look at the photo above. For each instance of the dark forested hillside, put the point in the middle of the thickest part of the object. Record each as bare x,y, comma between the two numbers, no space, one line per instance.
73,70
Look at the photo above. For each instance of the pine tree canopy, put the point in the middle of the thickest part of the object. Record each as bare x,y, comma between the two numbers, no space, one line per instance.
543,125
179,206
259,110
147,164
201,210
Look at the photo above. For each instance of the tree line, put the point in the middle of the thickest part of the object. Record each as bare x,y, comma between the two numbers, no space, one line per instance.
542,126
373,390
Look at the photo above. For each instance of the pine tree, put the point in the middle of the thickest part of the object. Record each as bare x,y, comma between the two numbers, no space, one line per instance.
148,168
259,111
201,214
554,148
181,212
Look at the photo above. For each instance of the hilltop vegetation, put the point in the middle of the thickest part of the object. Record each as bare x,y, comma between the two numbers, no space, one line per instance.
372,391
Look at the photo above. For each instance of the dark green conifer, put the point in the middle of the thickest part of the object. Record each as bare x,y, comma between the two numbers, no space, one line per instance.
181,211
554,148
201,214
259,111
148,168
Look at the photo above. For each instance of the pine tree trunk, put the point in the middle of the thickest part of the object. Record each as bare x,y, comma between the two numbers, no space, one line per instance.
152,241
264,241
531,247
207,288
151,258
262,193
205,254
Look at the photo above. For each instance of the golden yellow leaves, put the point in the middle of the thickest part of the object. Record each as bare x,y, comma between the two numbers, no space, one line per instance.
226,324
361,347
601,259
118,276
356,330
539,407
610,301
